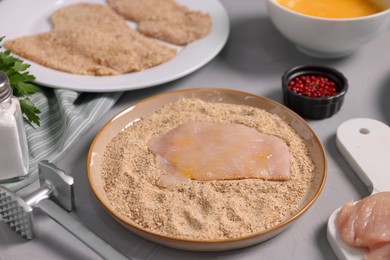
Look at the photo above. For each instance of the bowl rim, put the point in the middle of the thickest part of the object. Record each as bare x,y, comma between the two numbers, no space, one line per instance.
328,71
351,19
133,225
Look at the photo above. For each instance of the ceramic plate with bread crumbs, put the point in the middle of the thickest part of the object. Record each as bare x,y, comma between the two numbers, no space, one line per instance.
34,19
201,210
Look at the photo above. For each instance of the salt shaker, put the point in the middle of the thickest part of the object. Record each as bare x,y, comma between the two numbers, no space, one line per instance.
14,155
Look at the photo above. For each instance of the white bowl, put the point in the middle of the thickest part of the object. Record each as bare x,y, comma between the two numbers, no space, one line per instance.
327,37
152,104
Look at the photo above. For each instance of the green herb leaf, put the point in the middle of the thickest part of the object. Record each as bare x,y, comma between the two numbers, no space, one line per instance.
28,88
20,66
21,82
30,111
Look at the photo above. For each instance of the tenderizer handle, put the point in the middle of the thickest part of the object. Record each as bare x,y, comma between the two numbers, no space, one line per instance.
86,236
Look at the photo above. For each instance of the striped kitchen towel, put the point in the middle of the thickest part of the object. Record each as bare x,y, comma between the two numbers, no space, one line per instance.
65,116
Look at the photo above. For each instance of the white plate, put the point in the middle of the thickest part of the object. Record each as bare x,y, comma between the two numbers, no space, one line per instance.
20,17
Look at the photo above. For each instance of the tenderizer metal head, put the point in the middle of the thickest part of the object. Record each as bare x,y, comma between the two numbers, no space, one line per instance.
53,196
17,212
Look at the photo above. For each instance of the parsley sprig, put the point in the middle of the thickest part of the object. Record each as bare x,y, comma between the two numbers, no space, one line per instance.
22,84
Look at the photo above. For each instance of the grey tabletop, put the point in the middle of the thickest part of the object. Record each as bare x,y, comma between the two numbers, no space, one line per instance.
253,60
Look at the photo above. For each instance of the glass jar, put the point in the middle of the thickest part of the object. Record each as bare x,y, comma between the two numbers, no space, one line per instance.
14,154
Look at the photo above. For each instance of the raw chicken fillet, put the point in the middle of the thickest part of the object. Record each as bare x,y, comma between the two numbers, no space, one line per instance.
219,151
367,224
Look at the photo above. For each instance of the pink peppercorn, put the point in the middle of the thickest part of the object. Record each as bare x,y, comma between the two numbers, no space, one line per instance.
316,86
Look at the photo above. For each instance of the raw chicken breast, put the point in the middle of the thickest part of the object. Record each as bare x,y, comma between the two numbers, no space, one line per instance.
367,223
379,253
219,151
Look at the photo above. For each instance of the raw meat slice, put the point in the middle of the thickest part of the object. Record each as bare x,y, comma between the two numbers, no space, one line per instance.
379,253
366,223
219,151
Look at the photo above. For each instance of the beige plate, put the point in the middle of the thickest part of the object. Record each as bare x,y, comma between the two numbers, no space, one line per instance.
148,106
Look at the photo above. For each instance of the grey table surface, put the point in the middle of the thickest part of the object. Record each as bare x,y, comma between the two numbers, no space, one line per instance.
253,60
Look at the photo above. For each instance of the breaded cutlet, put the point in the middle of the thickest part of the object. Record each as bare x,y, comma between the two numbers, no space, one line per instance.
164,19
91,39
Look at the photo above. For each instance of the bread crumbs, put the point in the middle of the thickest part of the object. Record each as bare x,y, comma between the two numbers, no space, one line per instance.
201,210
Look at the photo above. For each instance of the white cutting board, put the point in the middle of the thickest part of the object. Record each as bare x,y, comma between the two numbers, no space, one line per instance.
365,144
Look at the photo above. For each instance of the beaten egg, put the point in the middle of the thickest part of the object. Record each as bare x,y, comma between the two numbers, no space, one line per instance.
335,8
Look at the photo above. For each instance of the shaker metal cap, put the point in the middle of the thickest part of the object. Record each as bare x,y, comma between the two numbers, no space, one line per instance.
5,87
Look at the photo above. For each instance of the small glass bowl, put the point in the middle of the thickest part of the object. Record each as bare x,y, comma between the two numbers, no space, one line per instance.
314,107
